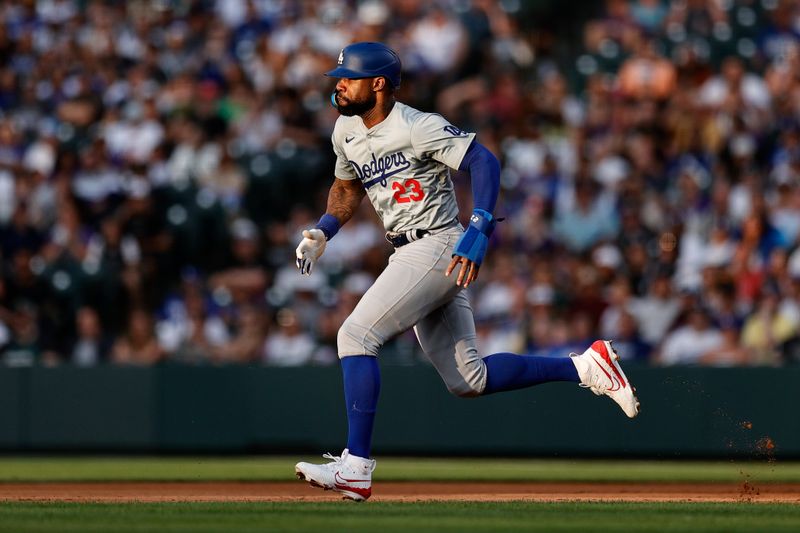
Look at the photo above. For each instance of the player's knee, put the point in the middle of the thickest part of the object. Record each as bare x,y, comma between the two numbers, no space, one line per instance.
356,339
471,380
462,389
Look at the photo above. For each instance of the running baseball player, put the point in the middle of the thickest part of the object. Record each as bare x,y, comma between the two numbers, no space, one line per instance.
400,158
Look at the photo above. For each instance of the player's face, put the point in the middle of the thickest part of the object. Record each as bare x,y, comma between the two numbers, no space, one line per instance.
355,97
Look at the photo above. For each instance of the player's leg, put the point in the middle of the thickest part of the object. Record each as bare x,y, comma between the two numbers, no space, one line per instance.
597,369
447,335
412,285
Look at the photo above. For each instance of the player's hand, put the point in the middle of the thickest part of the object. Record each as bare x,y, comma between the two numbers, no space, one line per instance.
467,273
471,247
310,249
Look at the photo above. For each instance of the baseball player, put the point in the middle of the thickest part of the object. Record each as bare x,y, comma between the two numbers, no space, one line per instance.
400,158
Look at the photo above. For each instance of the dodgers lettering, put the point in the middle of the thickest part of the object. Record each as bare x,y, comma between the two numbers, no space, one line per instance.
378,170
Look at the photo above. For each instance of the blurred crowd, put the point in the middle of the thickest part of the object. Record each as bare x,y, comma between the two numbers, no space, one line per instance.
159,158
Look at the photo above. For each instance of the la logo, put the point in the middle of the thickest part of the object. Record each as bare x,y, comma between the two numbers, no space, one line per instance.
341,57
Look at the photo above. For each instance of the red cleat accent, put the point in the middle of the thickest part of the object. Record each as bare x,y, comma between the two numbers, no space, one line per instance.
600,347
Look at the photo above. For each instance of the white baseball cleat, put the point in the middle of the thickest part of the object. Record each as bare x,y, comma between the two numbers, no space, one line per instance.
599,370
349,475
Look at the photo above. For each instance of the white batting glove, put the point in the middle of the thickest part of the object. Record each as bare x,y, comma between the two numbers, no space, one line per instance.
310,249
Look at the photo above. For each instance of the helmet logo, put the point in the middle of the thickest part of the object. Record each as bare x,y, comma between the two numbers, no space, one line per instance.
341,57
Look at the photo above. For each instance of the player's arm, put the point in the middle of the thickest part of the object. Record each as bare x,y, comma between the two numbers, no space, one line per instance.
344,198
484,171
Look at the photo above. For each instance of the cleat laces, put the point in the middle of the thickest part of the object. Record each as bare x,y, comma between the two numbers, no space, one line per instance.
337,459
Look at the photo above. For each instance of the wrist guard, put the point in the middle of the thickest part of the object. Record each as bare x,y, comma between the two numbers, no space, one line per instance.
473,243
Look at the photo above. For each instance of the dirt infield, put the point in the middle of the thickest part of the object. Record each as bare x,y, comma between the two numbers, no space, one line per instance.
392,491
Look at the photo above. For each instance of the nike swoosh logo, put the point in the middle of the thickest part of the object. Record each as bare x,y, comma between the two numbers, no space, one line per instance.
616,385
607,358
340,480
364,493
348,139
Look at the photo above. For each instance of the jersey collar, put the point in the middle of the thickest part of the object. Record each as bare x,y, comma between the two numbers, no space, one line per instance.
378,126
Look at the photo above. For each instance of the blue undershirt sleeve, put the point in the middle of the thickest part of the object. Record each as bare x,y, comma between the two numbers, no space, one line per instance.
484,172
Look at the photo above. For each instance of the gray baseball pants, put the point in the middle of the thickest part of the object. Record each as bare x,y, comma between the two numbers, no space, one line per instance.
413,291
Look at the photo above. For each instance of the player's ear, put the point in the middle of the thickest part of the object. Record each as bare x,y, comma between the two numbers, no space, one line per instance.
378,83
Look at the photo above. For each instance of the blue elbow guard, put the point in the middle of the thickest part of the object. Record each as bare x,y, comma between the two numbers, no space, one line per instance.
472,244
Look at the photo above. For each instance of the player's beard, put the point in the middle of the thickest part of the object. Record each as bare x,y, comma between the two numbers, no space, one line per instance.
351,108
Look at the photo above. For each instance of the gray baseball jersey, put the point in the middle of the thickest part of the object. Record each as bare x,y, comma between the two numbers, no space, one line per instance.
404,164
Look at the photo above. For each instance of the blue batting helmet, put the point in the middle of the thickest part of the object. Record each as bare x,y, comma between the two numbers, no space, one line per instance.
368,60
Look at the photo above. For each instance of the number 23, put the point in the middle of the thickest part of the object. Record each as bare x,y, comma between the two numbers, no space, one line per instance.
408,191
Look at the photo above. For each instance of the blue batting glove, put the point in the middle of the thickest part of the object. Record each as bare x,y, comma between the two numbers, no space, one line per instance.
472,244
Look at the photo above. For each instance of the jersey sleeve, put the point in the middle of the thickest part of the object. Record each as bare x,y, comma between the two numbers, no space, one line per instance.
342,170
432,136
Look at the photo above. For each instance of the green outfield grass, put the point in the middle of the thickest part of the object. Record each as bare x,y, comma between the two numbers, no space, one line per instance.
389,469
387,517
398,517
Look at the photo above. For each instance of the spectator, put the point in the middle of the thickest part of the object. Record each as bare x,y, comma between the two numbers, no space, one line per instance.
734,83
649,14
656,312
780,33
245,278
647,75
495,335
619,299
730,351
767,329
138,345
590,220
246,340
784,213
437,41
26,346
289,345
628,343
192,333
689,343
91,347
503,296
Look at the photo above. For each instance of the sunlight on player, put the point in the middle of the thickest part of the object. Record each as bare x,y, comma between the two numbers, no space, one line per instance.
401,158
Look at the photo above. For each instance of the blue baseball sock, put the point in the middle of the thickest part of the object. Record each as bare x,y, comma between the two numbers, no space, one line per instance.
508,371
362,384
